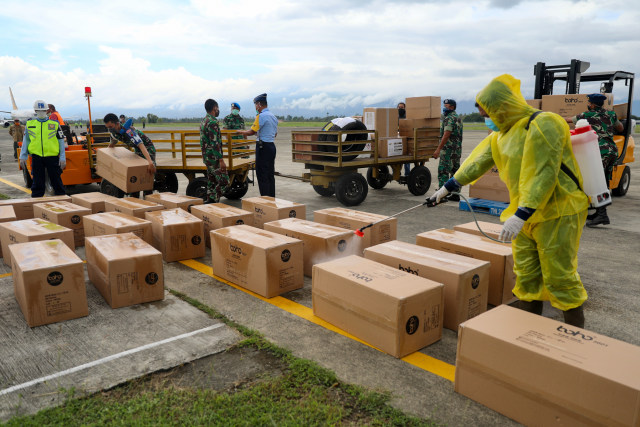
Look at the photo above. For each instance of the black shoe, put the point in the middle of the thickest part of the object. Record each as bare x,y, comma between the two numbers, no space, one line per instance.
574,317
601,218
453,197
591,216
534,307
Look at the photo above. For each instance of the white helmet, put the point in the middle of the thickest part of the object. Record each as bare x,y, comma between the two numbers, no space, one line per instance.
40,105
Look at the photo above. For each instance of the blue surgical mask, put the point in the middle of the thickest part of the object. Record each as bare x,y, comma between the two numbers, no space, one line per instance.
491,125
445,111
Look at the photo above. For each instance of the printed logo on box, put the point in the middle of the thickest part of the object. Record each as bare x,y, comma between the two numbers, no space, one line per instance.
236,249
475,281
408,269
151,278
75,219
239,222
342,245
292,213
133,179
196,240
412,325
55,278
285,256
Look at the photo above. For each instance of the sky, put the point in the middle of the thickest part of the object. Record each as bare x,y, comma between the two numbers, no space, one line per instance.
312,58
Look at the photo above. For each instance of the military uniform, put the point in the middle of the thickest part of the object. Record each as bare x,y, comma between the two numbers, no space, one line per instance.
211,145
235,122
127,140
602,122
452,150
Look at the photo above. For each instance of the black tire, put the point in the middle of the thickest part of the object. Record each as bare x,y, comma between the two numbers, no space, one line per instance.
419,180
198,188
351,189
108,188
346,148
28,181
325,191
165,182
237,189
383,177
623,185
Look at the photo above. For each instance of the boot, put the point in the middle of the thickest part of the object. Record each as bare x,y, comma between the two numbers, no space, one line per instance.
601,218
534,307
592,215
574,317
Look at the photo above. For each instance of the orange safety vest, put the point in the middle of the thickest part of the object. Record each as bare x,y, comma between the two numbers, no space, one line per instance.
57,117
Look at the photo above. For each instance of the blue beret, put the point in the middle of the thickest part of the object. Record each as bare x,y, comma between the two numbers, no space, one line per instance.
260,98
235,105
597,98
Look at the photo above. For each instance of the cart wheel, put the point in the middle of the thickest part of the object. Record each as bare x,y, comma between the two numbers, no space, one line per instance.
623,185
28,181
382,179
419,180
165,182
325,191
351,189
109,189
237,189
198,188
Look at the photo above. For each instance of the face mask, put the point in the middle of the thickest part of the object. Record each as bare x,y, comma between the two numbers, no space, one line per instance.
257,112
235,112
491,125
41,114
402,113
446,111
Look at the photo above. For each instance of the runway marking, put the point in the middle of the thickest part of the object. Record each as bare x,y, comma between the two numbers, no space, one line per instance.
106,359
420,360
2,276
19,187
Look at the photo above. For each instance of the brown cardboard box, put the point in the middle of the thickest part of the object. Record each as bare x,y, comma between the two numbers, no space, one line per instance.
23,208
94,201
132,206
125,269
406,127
539,371
490,187
535,103
173,200
490,229
397,312
392,146
124,169
570,105
219,215
423,107
465,280
48,281
383,120
263,262
6,214
502,279
116,223
385,231
31,230
177,234
266,209
621,110
321,242
305,146
65,214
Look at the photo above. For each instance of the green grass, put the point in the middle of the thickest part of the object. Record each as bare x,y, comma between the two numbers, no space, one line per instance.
305,394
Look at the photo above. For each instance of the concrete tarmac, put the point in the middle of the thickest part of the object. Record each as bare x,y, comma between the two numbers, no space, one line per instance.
607,267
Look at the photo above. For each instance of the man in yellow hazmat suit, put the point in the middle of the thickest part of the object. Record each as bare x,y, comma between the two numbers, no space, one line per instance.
548,209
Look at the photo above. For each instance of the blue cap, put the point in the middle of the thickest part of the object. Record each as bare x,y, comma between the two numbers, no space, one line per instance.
260,98
235,105
597,98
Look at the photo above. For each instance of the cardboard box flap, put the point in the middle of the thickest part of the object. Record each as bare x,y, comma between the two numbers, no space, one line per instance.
170,197
62,207
311,228
7,213
43,254
272,202
122,246
471,240
124,155
116,219
36,226
95,196
365,217
172,216
134,203
260,238
221,210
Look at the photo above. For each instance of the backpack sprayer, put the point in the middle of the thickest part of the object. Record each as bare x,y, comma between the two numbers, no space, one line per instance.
430,202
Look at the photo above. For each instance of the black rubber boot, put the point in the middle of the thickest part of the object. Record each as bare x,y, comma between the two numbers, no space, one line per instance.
534,307
601,218
574,317
592,215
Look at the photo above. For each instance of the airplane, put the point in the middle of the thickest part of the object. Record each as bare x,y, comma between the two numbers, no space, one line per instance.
22,115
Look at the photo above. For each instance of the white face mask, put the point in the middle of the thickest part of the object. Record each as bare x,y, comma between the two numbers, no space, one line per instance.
41,114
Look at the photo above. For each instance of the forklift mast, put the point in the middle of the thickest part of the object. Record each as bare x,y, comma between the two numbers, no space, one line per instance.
547,75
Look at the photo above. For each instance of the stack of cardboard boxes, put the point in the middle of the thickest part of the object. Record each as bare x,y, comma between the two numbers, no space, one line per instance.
65,214
385,122
422,125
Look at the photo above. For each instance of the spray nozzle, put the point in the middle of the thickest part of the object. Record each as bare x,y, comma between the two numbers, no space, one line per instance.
359,233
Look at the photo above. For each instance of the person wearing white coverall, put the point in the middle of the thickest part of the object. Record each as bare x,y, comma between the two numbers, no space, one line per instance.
547,210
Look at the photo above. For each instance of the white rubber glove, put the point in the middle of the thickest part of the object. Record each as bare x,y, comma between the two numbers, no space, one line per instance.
62,163
440,194
23,164
511,228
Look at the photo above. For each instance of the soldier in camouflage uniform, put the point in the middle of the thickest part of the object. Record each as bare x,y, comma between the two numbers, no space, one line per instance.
211,145
450,149
603,122
235,121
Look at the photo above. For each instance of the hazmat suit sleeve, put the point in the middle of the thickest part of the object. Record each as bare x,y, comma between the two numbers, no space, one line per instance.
479,161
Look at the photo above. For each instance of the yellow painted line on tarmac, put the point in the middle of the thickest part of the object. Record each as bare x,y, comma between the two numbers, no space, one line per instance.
19,187
420,360
2,276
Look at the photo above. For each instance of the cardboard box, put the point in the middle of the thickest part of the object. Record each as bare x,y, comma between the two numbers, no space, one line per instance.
490,187
502,279
48,281
132,206
65,214
406,127
173,200
23,208
535,103
621,110
304,145
177,234
491,229
396,312
392,146
219,215
385,231
6,214
321,242
124,169
266,209
423,107
263,262
465,280
539,371
570,105
94,201
383,120
125,269
31,230
117,223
